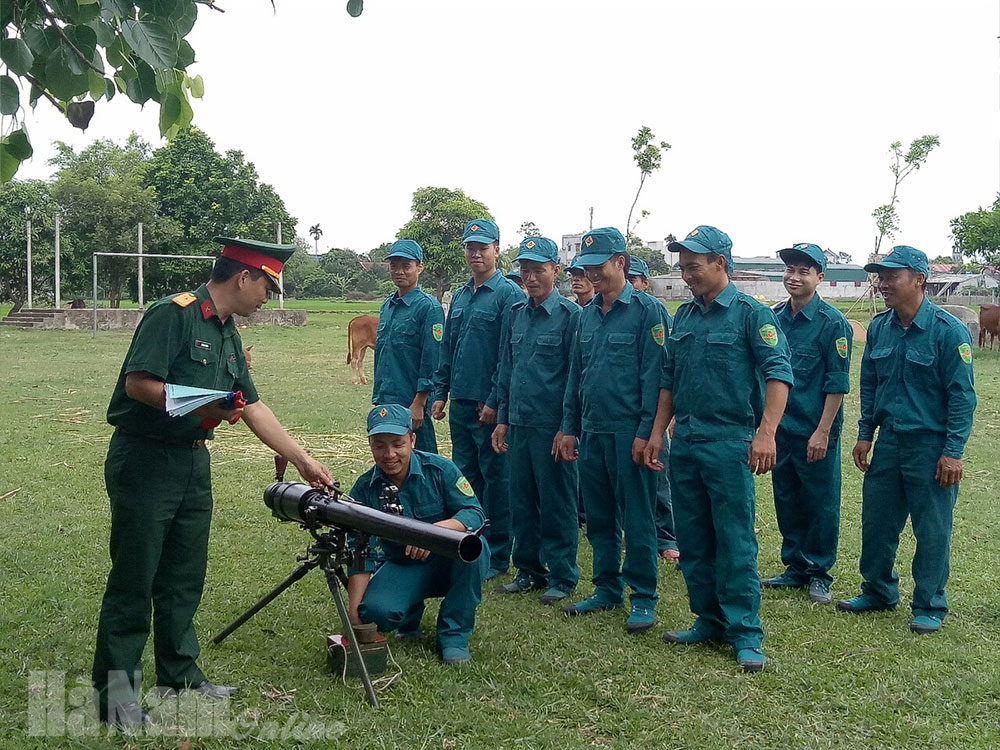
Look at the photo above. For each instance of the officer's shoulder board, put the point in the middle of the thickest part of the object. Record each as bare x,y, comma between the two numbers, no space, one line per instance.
184,299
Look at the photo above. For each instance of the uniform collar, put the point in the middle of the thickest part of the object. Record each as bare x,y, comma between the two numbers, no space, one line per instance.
725,298
490,283
207,311
625,297
550,305
809,311
405,299
922,319
416,469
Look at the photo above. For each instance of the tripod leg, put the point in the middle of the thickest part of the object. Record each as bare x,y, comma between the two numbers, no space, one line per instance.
297,574
334,583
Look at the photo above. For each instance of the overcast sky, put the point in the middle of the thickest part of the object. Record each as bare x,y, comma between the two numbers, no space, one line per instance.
780,114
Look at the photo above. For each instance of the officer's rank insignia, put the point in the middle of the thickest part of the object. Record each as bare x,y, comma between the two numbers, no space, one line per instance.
770,334
842,347
438,330
183,300
383,411
965,352
464,487
529,244
202,344
658,334
588,241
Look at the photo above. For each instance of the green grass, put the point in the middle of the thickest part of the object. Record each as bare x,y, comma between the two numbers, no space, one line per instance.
538,680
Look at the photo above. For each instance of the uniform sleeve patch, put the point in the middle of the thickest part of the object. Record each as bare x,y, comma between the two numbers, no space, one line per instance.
842,347
658,334
769,334
965,352
464,487
183,300
438,330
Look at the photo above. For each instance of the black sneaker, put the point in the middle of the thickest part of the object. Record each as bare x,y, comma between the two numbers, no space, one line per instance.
520,584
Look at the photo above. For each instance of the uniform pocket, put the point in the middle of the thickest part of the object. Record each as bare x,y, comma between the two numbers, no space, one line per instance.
920,366
547,346
882,360
720,349
621,347
483,318
804,361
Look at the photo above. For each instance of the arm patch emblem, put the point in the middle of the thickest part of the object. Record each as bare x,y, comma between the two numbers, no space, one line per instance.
842,347
464,487
965,352
658,334
769,334
438,330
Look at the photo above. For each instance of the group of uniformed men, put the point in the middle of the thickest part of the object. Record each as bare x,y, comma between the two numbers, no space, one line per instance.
552,399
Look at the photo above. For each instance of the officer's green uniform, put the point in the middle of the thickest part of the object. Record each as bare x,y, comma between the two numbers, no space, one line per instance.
159,482
408,347
470,355
534,364
717,361
807,495
433,491
666,538
917,389
610,401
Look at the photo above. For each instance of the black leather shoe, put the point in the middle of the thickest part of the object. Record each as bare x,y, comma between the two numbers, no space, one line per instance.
129,715
206,688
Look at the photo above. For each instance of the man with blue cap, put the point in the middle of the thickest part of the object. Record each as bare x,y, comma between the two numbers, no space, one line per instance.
609,406
408,343
583,290
806,478
396,579
726,380
535,348
666,539
470,356
917,389
514,275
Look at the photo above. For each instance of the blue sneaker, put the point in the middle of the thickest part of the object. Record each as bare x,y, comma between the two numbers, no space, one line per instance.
640,619
554,595
751,659
691,637
787,580
924,624
519,584
453,655
593,603
863,603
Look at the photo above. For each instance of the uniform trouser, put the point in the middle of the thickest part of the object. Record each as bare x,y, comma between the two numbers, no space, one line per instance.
714,505
426,439
397,591
807,506
543,497
901,482
666,538
619,497
161,509
472,452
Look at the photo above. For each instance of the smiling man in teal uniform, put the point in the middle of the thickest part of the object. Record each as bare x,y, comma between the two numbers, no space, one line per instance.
159,481
917,389
609,406
535,351
470,356
726,380
806,478
408,343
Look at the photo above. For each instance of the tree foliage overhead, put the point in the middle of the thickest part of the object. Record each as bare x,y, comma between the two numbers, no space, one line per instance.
647,156
901,166
15,196
976,234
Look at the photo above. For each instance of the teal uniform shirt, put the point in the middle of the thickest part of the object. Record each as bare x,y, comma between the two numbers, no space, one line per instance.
919,380
536,343
820,340
407,347
470,352
717,362
615,367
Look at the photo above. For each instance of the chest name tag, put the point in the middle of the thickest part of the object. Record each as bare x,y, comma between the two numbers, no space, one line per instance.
203,344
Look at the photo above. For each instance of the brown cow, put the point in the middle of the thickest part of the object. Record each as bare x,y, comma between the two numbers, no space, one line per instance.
989,322
249,356
361,333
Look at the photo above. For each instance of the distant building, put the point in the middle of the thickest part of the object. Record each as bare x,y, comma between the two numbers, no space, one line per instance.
944,284
569,248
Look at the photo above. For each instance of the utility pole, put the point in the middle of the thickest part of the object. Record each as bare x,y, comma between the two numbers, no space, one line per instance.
27,231
139,279
58,222
281,278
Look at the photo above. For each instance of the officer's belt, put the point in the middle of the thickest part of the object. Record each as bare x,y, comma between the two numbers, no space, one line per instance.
164,440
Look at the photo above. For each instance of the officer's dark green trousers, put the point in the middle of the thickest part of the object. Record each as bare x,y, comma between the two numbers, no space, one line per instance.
807,506
161,509
619,497
666,538
543,498
901,482
397,591
714,504
472,452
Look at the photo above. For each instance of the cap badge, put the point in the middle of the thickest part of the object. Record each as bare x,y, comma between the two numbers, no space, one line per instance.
529,244
588,241
803,246
693,233
383,411
474,227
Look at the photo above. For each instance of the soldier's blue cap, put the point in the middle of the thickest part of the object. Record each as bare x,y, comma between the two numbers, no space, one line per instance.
638,267
390,419
409,249
601,244
575,266
804,251
706,239
540,249
902,256
481,230
514,273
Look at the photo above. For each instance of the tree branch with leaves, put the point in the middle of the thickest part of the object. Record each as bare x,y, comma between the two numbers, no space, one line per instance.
902,165
647,156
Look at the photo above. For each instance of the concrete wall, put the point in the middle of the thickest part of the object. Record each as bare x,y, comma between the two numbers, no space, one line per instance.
110,319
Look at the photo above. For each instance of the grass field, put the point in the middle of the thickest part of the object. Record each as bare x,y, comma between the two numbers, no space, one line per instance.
538,680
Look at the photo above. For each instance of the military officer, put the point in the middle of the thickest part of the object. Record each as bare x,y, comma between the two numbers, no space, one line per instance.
408,343
726,380
666,539
158,479
470,356
806,478
917,390
609,406
398,578
534,363
583,290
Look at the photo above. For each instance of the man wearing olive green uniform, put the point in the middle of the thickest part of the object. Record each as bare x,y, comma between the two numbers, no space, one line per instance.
806,478
535,348
917,389
408,343
470,355
158,477
726,380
